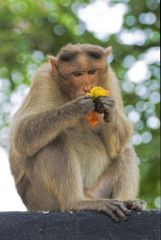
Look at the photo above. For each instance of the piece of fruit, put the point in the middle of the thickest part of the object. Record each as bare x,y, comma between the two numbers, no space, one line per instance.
93,117
98,92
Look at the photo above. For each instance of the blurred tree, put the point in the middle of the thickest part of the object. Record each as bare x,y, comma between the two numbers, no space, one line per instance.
29,30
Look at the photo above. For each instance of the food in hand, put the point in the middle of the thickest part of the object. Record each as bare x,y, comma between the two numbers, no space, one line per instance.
93,117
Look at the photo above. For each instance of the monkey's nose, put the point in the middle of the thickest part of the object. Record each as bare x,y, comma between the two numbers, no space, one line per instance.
87,88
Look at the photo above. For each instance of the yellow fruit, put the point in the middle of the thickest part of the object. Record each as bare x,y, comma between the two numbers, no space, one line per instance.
93,117
98,92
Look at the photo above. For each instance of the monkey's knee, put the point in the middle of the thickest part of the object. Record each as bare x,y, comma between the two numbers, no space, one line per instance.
39,197
47,203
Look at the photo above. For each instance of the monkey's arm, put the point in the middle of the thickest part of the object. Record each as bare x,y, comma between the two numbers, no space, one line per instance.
119,129
117,134
35,130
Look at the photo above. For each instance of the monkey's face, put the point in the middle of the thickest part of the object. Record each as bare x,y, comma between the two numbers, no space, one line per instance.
80,68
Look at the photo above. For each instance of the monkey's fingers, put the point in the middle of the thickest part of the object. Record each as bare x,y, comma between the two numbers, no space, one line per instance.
119,212
108,108
116,210
107,105
107,117
85,104
84,98
110,213
101,107
137,205
124,209
105,100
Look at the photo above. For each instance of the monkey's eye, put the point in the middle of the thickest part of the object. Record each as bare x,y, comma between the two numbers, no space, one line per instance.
77,74
92,72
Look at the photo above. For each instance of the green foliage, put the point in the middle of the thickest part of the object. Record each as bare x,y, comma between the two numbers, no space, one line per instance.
31,30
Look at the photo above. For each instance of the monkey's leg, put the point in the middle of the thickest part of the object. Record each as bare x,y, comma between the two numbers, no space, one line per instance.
114,208
127,180
57,185
68,186
120,181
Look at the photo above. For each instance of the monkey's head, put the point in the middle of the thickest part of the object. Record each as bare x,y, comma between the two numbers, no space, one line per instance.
78,68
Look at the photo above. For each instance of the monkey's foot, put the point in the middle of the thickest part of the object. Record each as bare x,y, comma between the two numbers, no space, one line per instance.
137,205
115,209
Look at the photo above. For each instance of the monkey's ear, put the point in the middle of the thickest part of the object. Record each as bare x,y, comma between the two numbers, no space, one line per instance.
54,63
108,51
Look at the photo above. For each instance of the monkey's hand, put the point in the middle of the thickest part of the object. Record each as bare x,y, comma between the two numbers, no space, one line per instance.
137,205
105,104
83,105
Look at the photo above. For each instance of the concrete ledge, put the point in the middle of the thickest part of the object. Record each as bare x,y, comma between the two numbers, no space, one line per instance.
78,226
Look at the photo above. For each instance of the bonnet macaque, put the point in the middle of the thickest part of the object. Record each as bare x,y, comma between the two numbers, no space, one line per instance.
58,161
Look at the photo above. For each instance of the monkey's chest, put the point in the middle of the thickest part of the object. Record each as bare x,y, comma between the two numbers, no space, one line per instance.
89,152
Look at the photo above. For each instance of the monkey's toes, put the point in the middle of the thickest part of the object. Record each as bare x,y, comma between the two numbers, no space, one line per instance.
116,210
137,205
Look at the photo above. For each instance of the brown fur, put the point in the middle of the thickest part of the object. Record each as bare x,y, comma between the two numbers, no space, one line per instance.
57,160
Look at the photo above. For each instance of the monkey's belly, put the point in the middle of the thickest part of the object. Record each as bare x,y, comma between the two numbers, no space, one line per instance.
91,155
